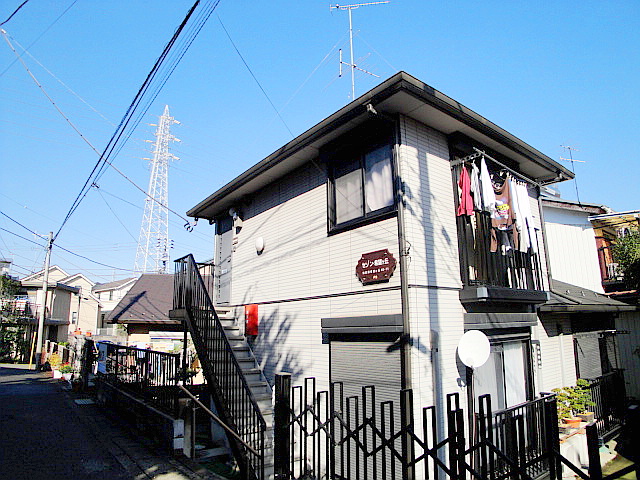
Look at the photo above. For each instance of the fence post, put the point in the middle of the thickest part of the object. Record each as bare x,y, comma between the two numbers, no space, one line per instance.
595,469
452,439
281,439
552,437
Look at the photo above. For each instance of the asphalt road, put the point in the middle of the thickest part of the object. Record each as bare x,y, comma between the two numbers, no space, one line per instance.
42,435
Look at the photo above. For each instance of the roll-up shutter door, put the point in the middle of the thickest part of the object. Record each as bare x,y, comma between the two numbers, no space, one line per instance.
588,360
359,363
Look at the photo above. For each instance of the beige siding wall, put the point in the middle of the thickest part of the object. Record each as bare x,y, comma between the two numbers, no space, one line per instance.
430,221
629,349
304,274
436,314
572,248
557,367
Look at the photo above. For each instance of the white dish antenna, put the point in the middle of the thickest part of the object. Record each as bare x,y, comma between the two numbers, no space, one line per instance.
474,348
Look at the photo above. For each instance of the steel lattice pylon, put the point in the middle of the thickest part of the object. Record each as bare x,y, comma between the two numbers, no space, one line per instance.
152,255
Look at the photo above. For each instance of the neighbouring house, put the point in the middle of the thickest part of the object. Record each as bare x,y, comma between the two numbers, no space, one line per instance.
70,305
585,319
609,228
110,294
366,262
144,311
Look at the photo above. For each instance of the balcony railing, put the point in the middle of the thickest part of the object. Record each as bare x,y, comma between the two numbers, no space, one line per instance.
521,432
608,394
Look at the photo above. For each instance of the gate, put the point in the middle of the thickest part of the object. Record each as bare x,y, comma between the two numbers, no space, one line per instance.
322,434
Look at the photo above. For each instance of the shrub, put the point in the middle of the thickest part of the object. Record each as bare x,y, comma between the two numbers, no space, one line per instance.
573,400
66,368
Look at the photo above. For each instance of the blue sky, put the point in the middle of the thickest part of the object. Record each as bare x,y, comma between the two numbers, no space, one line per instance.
564,73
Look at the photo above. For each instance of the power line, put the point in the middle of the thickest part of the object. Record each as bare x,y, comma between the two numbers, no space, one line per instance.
20,236
84,189
18,223
254,77
14,12
63,84
66,250
93,261
114,213
39,36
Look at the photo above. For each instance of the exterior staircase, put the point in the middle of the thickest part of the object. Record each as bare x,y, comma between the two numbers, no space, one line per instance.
256,380
239,390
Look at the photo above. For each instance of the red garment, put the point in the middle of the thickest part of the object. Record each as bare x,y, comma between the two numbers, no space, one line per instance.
465,207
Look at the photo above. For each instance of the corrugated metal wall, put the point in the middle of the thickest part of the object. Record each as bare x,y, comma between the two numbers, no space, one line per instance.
629,350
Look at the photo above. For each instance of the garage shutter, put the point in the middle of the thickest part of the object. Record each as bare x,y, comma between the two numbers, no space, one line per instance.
359,363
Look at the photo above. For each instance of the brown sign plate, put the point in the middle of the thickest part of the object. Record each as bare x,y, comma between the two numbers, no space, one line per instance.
375,266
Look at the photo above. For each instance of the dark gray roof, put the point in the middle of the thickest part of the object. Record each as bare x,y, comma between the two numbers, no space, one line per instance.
99,287
148,301
573,299
399,94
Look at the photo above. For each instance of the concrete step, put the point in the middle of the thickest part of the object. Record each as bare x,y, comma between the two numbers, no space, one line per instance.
212,452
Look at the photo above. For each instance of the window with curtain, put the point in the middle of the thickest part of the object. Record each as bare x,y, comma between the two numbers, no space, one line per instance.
362,186
505,375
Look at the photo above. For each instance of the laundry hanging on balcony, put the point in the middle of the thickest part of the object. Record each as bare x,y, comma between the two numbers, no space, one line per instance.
524,218
465,206
503,220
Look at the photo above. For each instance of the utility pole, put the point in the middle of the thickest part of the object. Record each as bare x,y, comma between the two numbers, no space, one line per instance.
352,65
45,288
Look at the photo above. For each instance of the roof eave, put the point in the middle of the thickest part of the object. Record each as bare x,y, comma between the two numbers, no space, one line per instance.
400,82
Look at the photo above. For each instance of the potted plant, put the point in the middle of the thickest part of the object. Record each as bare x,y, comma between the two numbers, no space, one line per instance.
573,403
67,371
54,362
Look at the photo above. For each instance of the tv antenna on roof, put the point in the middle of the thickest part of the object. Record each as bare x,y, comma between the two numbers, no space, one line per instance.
352,65
572,160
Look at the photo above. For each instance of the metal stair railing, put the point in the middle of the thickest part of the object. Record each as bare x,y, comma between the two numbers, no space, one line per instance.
235,403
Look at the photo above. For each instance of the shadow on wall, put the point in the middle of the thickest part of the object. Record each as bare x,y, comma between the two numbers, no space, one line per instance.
273,349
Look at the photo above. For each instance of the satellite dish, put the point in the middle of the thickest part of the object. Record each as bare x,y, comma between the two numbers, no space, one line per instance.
474,348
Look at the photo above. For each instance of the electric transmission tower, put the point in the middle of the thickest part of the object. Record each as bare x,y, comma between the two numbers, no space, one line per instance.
152,255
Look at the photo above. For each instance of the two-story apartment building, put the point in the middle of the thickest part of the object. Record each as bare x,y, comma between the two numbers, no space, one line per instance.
366,261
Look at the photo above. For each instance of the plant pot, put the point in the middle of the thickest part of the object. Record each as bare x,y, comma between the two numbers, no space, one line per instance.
67,376
56,374
573,422
587,416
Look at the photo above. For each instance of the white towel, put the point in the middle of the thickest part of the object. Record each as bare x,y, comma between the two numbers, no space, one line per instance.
475,187
488,195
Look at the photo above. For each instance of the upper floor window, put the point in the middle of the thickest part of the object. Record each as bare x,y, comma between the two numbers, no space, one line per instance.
361,183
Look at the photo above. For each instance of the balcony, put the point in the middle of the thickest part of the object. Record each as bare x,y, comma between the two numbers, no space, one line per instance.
500,276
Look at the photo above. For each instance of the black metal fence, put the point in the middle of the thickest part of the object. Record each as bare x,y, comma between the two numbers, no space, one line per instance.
231,393
147,374
521,433
608,394
322,434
